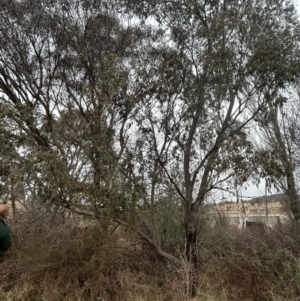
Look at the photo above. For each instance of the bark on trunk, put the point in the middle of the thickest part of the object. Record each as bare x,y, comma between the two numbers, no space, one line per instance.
13,201
291,190
293,196
191,252
242,211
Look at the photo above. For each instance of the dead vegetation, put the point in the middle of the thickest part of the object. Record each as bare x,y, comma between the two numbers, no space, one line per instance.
65,261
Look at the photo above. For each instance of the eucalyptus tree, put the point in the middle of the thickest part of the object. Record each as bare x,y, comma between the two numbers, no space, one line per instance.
217,66
279,128
64,81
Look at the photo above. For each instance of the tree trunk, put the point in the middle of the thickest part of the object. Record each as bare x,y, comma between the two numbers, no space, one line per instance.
13,201
291,190
293,196
191,251
242,211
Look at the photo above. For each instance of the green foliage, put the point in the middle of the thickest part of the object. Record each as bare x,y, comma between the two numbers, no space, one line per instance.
62,79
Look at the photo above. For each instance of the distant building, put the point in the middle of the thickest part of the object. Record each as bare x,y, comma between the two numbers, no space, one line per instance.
271,210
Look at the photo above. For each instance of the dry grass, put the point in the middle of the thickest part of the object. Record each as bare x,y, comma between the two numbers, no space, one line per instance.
68,262
255,265
65,261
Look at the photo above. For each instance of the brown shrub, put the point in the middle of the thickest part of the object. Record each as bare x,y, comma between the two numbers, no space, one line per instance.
63,262
256,265
67,261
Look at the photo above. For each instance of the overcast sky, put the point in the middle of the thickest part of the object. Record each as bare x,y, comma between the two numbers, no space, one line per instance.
297,4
